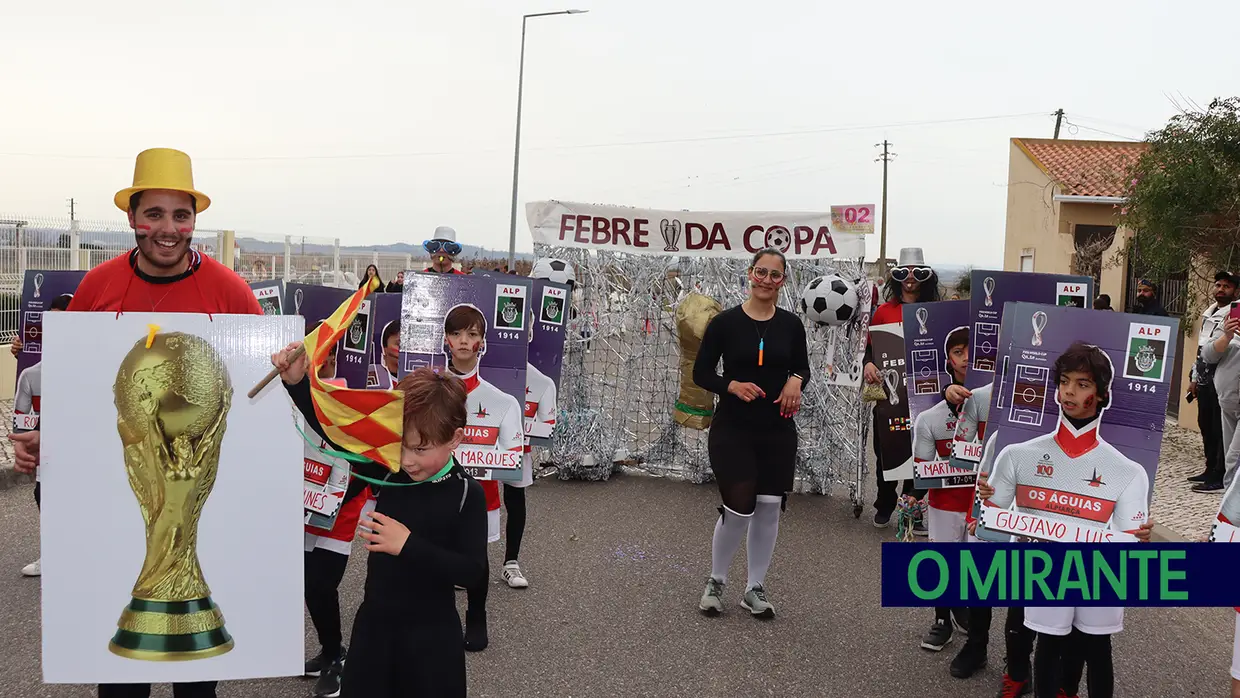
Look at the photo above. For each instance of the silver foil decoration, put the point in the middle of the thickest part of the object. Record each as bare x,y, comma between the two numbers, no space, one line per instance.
621,372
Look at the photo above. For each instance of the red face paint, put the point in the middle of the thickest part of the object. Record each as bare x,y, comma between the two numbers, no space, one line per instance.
142,227
185,230
1089,402
477,346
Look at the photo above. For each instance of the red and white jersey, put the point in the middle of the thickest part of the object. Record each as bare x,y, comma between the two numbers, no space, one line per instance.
971,427
1072,476
540,403
933,433
494,433
26,401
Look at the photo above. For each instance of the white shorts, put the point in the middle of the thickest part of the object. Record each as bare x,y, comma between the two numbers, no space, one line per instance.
1105,620
946,526
1235,652
493,526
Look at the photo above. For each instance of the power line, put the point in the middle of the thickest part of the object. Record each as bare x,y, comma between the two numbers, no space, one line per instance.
580,146
1108,133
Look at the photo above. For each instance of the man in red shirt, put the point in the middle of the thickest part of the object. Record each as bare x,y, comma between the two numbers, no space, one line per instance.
911,281
161,274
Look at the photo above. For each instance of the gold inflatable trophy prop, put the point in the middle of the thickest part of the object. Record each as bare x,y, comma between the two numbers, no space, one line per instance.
694,405
172,395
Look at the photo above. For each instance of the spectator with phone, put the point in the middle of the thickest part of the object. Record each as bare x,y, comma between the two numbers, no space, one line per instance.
1201,384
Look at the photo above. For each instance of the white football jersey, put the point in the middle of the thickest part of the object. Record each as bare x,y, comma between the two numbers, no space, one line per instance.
494,433
971,427
1073,476
933,433
540,403
27,401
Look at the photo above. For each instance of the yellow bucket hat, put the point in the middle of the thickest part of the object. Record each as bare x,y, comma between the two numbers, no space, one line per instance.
162,168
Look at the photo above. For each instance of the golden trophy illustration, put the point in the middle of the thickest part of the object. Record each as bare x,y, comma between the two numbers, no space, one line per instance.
172,395
694,405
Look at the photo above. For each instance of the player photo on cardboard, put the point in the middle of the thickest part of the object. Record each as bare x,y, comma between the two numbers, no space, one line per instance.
1075,438
937,341
986,312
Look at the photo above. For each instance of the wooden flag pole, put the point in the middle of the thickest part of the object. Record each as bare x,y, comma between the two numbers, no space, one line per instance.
275,372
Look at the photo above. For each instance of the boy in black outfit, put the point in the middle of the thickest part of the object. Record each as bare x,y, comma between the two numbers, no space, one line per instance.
427,534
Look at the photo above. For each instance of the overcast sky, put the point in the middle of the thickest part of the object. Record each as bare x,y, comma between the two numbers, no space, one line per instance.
376,121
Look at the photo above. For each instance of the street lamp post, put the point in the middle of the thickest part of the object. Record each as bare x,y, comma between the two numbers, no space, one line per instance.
516,155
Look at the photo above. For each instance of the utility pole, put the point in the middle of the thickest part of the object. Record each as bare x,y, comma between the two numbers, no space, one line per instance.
1058,120
72,211
882,241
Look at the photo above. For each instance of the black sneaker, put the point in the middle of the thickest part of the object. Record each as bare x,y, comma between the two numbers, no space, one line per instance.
475,632
882,520
315,665
1203,477
1208,487
937,638
970,659
328,685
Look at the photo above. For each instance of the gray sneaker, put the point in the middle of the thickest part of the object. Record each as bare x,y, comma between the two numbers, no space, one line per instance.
756,603
712,601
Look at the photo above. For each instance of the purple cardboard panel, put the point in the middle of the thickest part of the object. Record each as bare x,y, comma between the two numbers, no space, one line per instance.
991,291
930,370
498,403
1095,471
40,290
315,304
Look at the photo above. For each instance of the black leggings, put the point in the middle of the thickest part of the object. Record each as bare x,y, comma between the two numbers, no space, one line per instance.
38,495
514,502
200,689
1060,661
324,570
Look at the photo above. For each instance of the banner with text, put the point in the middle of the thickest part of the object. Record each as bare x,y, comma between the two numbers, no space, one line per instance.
699,233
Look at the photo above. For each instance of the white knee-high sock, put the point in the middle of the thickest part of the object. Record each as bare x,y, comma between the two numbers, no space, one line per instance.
762,533
729,530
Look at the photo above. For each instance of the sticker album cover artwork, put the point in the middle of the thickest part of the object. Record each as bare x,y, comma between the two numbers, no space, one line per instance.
476,327
937,342
992,290
1073,441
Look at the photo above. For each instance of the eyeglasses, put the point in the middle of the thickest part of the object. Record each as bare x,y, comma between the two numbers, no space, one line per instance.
762,273
448,247
919,273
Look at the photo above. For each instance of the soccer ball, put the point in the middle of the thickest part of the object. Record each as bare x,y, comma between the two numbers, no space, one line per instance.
552,269
829,300
779,238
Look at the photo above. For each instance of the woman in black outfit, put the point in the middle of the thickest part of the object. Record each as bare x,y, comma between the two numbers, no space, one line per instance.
753,440
372,272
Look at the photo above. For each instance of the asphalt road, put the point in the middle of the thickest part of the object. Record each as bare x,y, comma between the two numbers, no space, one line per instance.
616,569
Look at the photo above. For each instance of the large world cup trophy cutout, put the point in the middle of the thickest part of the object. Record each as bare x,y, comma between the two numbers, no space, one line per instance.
694,405
172,394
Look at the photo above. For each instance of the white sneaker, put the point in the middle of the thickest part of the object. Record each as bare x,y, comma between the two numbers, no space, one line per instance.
34,569
512,575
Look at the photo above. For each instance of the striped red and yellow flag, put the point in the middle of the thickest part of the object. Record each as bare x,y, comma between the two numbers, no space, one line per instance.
365,422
